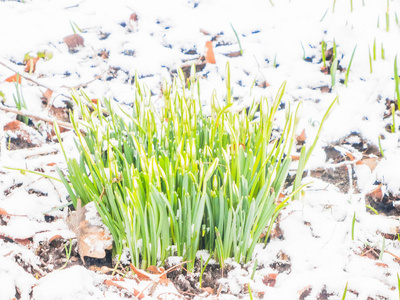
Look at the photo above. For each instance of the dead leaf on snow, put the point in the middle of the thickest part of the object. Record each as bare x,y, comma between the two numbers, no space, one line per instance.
3,212
31,65
270,279
14,78
92,236
371,162
209,53
301,138
376,193
73,41
46,96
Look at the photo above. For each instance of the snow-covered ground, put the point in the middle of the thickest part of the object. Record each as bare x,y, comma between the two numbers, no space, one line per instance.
313,255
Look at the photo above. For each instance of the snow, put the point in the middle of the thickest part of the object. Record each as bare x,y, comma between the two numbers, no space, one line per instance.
317,229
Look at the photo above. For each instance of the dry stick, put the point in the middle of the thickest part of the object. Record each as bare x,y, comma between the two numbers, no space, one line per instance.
36,117
394,255
26,77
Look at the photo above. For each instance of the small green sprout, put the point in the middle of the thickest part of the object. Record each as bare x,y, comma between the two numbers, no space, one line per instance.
380,146
370,60
68,251
75,27
393,127
203,268
345,291
387,17
382,52
352,226
238,40
323,50
382,249
19,101
396,83
254,269
348,68
371,208
374,49
333,72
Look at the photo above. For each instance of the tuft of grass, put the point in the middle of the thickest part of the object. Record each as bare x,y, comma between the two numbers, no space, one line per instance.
19,101
178,179
352,226
349,67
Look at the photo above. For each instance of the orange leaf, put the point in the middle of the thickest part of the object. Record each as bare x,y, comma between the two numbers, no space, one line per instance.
94,101
141,274
376,193
51,164
3,212
47,95
295,157
350,156
383,265
57,236
15,78
31,65
302,137
270,279
209,53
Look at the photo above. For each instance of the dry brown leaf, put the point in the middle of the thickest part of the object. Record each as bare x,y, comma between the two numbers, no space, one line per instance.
295,157
208,289
31,64
302,137
263,84
234,54
376,193
142,275
14,78
371,162
55,237
92,236
161,272
209,53
382,265
3,212
270,279
205,32
73,41
46,96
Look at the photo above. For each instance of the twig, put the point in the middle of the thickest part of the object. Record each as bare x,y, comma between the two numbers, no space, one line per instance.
395,256
25,77
36,117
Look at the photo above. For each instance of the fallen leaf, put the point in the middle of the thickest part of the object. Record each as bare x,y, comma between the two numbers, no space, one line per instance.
371,162
136,293
55,237
295,157
14,78
205,32
31,65
302,137
3,212
209,53
305,292
73,41
350,156
270,279
234,54
46,96
263,84
92,235
142,275
382,265
376,193
161,272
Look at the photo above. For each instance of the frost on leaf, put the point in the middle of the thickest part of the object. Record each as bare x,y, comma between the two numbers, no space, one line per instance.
92,235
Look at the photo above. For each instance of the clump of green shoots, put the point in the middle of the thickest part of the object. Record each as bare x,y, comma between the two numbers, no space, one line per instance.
175,181
19,101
